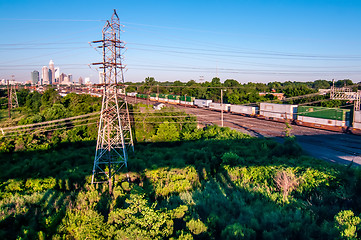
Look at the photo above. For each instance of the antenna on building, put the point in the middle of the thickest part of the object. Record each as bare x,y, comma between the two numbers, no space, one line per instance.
114,133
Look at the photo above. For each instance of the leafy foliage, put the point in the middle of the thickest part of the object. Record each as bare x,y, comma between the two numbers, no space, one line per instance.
182,183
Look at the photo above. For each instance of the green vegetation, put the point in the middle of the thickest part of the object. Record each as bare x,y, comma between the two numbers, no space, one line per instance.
236,93
36,107
183,183
218,186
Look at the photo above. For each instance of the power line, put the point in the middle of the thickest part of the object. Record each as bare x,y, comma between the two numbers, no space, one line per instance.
51,20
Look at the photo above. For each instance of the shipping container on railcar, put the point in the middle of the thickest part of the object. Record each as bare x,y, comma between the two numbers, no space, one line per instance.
142,96
356,125
244,110
278,112
153,97
334,119
132,94
187,100
219,107
202,102
173,99
162,98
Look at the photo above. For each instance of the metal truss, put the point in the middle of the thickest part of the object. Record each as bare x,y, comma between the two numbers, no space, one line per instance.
114,133
12,97
346,93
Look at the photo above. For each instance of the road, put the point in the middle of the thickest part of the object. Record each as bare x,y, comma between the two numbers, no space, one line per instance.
327,145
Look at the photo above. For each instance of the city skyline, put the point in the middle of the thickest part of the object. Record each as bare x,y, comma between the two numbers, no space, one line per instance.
249,41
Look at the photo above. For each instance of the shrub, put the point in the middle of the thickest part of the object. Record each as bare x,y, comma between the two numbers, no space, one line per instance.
238,231
196,226
347,224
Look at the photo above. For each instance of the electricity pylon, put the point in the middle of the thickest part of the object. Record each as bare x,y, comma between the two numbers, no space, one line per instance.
346,93
114,133
12,98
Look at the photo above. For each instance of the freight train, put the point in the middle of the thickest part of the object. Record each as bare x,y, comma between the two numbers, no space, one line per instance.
333,119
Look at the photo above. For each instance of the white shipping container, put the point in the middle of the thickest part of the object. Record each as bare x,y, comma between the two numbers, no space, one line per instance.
202,102
357,125
186,103
357,116
280,111
162,99
173,101
132,94
153,98
244,109
218,106
322,121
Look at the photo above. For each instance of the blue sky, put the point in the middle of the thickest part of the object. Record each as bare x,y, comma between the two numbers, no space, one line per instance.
246,40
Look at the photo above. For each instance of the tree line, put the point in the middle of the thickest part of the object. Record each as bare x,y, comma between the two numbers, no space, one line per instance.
236,92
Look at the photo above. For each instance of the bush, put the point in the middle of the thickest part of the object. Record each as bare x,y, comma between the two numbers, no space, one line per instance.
196,226
347,224
238,231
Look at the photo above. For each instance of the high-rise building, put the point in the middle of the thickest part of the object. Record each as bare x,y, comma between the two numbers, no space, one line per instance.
87,81
61,78
57,75
34,77
66,80
52,70
45,75
70,77
101,77
80,81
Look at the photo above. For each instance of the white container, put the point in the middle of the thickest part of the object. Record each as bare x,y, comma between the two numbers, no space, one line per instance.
244,109
132,94
162,99
202,102
218,106
357,125
153,98
173,101
357,116
278,111
321,121
186,103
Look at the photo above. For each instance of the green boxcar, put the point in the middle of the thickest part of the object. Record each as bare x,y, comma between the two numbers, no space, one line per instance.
187,98
143,96
173,97
162,95
326,113
153,95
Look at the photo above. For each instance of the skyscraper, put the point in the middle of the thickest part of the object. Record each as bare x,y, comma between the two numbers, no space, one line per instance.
34,77
87,81
52,69
57,75
45,75
70,78
101,77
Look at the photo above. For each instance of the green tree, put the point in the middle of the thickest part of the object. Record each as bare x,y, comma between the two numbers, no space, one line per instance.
57,111
167,132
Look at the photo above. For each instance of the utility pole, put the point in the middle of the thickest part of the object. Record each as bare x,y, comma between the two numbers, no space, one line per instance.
114,133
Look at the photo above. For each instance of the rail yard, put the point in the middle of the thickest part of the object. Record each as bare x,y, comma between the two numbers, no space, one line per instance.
331,146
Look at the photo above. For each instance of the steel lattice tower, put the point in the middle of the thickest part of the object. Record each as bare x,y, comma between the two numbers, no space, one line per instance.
114,134
12,97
